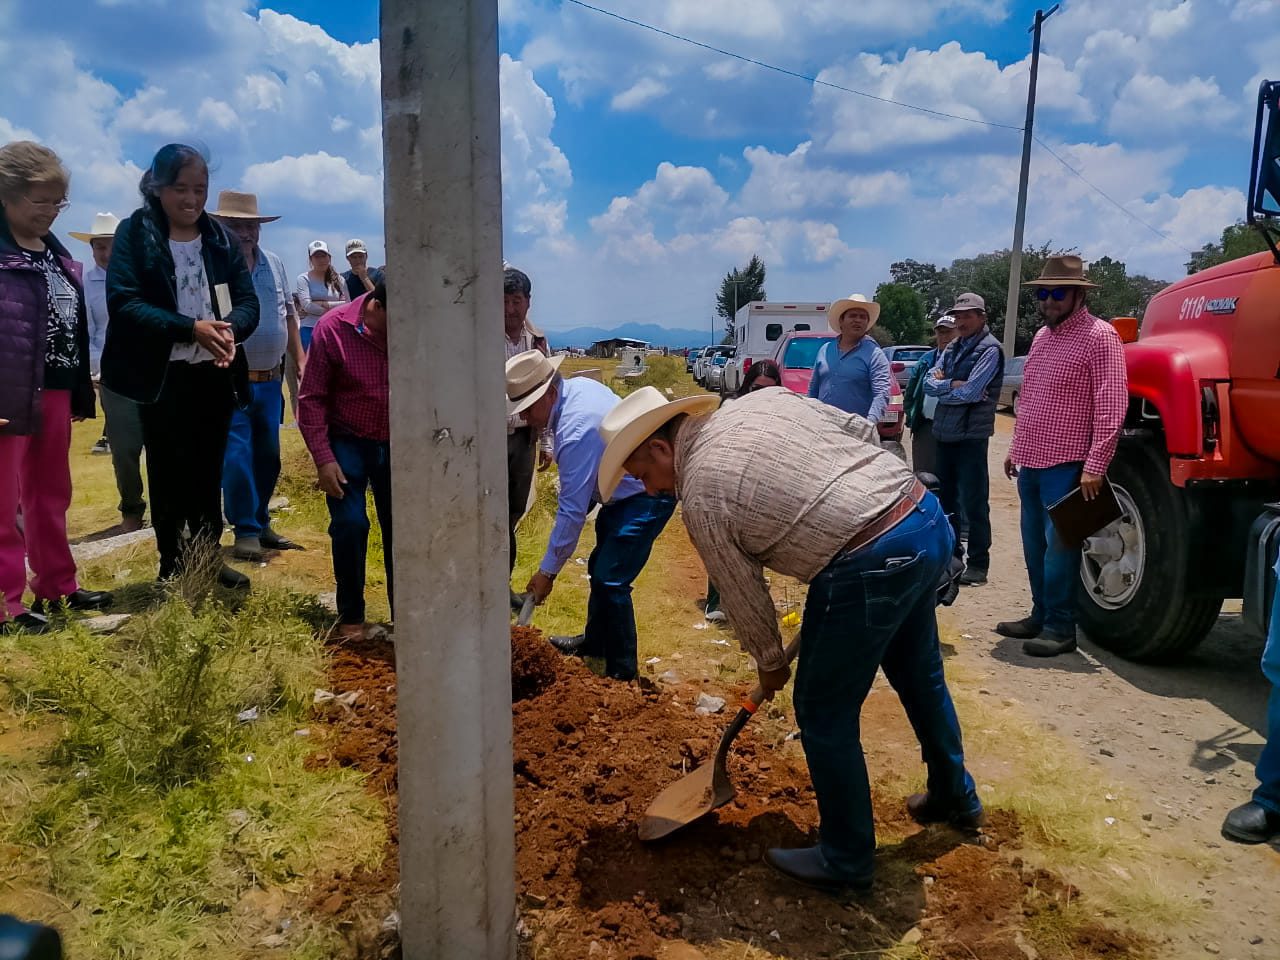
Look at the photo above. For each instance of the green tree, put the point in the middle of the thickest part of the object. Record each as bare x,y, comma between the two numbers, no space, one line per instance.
926,280
1118,294
902,313
740,287
1238,240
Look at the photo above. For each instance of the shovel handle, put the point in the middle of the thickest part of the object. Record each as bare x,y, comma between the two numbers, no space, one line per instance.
756,697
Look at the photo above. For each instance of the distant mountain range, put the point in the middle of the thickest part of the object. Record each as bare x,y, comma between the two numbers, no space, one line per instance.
651,333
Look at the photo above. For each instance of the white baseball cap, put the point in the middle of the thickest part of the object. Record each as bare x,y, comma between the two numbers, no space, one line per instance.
356,246
317,246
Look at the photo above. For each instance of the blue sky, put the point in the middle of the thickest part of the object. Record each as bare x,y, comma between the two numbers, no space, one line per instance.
638,169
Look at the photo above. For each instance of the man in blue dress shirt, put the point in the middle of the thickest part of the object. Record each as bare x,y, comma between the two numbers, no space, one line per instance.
852,373
626,527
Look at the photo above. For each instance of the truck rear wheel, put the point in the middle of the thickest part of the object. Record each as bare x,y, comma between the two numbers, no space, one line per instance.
1135,598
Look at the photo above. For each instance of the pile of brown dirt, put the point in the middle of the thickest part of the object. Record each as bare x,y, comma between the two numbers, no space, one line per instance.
589,756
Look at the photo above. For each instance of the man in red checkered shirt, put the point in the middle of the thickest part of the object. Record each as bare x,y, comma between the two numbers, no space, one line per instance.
344,420
1074,395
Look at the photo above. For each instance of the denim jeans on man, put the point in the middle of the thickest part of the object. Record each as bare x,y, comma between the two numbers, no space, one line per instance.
367,466
251,466
873,608
965,490
625,532
1053,570
1268,793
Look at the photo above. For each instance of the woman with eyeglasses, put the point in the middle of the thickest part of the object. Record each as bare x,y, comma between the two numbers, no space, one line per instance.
759,376
44,385
181,302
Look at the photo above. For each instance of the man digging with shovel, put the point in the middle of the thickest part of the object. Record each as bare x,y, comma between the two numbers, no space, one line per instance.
818,500
629,520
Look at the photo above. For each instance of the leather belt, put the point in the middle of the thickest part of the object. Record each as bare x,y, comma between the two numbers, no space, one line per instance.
887,520
265,376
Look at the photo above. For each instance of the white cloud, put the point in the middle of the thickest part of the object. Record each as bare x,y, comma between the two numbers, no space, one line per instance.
145,113
787,183
261,91
638,94
1151,104
317,178
535,172
217,113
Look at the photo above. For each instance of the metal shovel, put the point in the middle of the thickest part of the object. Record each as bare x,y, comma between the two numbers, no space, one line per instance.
526,611
697,794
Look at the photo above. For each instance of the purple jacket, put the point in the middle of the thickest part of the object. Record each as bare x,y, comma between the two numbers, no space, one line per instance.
24,323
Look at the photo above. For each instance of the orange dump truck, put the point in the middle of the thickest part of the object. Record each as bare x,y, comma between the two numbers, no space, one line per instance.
1197,470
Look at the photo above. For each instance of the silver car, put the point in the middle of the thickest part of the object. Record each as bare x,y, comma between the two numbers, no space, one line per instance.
902,358
1012,383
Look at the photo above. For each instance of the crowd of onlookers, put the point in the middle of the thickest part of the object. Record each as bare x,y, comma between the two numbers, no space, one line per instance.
187,329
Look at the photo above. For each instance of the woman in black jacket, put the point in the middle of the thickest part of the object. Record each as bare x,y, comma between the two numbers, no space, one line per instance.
180,300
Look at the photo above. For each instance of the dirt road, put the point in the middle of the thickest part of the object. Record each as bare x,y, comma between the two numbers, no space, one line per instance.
1180,740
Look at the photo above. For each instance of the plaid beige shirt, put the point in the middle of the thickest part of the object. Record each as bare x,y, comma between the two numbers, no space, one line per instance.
778,480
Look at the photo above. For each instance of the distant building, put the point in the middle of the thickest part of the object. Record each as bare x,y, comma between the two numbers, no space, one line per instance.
616,347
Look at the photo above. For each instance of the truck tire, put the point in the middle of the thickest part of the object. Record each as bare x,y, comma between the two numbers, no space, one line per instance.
1135,597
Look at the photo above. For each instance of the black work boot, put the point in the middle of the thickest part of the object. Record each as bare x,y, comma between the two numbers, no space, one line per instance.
1251,823
1024,629
1050,644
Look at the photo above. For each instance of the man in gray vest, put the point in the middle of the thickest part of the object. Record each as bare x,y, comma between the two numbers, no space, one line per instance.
967,380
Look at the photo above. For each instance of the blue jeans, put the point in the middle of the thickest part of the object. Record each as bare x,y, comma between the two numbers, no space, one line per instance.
1268,792
251,465
964,486
304,334
625,532
1052,569
367,466
876,608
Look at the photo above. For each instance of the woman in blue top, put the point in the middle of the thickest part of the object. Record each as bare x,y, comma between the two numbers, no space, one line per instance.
852,373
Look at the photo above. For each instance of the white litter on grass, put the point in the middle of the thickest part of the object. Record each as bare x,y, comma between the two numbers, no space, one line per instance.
1109,821
247,716
707,704
719,643
391,922
304,732
347,699
248,758
699,626
653,660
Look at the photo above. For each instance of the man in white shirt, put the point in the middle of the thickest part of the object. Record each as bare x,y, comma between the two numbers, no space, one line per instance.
122,429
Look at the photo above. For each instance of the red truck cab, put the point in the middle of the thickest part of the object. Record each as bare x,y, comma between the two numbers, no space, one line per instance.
1197,469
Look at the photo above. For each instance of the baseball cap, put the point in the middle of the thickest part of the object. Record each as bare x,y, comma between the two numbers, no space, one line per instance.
969,301
317,246
946,320
356,246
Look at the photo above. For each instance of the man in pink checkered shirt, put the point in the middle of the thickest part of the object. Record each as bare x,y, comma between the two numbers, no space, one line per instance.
1074,395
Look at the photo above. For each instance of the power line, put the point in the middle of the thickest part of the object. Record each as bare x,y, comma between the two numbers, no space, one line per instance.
789,73
871,96
1116,203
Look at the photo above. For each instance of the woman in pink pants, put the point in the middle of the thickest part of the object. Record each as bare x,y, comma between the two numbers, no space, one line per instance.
44,385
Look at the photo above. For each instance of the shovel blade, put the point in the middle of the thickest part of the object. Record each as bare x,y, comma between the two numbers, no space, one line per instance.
688,799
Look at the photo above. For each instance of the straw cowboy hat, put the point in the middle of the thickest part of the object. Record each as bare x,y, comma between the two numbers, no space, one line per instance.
234,205
529,374
1065,271
837,309
104,225
631,422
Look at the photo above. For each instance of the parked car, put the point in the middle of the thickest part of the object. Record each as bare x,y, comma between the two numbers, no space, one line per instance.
1012,383
796,354
757,328
701,365
689,359
715,368
902,358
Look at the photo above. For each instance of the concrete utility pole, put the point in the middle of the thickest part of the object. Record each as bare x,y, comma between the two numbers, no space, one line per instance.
443,196
1015,261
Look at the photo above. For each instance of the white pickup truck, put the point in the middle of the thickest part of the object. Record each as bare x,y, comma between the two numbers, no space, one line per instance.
759,326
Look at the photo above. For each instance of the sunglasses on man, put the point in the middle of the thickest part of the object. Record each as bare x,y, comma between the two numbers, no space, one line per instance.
1058,293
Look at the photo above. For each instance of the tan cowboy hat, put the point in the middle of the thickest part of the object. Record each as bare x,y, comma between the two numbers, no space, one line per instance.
1067,271
234,205
104,225
631,422
529,374
837,309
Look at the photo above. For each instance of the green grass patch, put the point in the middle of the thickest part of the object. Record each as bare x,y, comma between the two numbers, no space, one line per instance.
158,809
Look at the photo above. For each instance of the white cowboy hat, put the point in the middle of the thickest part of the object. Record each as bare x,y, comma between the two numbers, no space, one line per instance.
529,374
631,422
837,309
104,225
234,205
